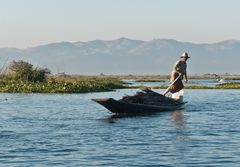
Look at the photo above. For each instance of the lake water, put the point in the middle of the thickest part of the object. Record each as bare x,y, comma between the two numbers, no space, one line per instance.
71,130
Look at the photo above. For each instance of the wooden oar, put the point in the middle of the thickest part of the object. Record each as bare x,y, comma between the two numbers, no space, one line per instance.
167,90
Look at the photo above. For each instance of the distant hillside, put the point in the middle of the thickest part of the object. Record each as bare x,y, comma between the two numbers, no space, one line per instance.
127,56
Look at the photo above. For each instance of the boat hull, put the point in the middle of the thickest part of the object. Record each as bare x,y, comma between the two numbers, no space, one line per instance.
119,107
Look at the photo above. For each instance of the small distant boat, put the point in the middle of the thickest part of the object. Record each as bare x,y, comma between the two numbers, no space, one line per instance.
221,80
146,101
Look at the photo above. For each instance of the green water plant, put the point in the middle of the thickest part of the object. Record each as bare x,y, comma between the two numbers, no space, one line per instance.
233,85
23,77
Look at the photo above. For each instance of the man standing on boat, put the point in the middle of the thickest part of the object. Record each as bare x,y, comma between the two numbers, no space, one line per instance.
179,71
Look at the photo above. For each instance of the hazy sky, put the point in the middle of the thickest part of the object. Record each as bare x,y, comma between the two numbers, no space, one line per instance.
26,23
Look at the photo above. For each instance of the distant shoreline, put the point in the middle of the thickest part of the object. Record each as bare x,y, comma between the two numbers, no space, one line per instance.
86,84
162,77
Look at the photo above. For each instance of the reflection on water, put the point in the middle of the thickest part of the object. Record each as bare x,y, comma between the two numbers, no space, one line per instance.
112,118
72,130
178,119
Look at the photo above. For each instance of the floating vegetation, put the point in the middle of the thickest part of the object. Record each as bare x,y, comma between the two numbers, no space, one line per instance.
22,77
84,84
59,85
231,85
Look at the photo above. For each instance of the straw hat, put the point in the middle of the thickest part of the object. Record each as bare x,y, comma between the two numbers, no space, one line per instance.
185,55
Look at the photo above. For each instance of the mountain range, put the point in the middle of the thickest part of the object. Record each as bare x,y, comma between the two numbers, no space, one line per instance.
128,56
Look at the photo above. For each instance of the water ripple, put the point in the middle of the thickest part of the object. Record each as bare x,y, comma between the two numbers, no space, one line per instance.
71,130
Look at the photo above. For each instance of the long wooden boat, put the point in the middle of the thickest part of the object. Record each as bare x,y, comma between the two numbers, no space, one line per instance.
138,104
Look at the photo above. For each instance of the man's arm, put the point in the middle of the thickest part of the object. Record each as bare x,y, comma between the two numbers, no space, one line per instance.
177,66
